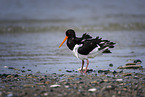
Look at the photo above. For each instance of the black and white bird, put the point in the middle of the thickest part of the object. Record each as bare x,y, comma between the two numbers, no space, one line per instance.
86,47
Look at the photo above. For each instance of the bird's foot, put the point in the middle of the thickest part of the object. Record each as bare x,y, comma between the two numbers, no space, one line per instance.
81,71
85,71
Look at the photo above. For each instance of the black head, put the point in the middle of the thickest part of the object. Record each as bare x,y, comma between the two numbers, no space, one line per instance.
70,33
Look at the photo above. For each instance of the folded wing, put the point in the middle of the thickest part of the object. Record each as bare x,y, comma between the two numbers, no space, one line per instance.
89,44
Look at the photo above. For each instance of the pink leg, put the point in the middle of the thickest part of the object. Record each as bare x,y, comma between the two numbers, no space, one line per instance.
86,66
82,65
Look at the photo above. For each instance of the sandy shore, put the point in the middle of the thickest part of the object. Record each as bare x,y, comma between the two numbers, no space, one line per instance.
101,84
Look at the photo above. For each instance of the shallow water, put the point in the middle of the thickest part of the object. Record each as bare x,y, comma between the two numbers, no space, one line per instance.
39,52
30,33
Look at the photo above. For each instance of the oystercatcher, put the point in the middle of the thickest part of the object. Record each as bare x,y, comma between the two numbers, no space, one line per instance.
86,47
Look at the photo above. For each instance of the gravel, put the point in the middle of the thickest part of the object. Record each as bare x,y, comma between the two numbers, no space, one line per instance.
101,84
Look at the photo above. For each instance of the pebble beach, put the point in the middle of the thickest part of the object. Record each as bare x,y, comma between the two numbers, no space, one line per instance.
105,83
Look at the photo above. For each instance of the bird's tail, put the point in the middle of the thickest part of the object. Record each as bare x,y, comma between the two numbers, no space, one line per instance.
105,45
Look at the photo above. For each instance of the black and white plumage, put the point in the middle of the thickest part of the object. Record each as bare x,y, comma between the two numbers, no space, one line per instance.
86,47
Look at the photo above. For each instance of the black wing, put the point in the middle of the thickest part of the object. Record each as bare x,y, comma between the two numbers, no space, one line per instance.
89,45
86,36
82,39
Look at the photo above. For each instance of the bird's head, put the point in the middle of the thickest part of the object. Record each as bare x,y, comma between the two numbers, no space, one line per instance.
69,34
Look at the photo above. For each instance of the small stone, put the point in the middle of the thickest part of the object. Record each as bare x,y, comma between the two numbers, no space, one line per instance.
102,81
130,64
80,82
109,76
94,82
45,94
105,80
10,94
127,74
113,96
5,66
138,61
11,68
119,92
138,74
136,77
28,69
111,65
110,87
23,71
104,71
121,71
130,67
69,71
132,52
10,76
122,84
78,78
119,80
47,82
61,75
114,72
5,75
28,86
17,69
41,79
100,71
66,86
124,89
66,83
38,72
54,86
92,90
40,84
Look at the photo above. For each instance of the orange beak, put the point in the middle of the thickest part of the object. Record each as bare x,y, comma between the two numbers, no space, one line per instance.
63,41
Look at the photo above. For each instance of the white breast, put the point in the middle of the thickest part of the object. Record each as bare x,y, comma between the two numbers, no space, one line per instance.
92,54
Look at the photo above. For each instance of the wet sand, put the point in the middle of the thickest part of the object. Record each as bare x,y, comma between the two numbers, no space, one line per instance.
101,84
